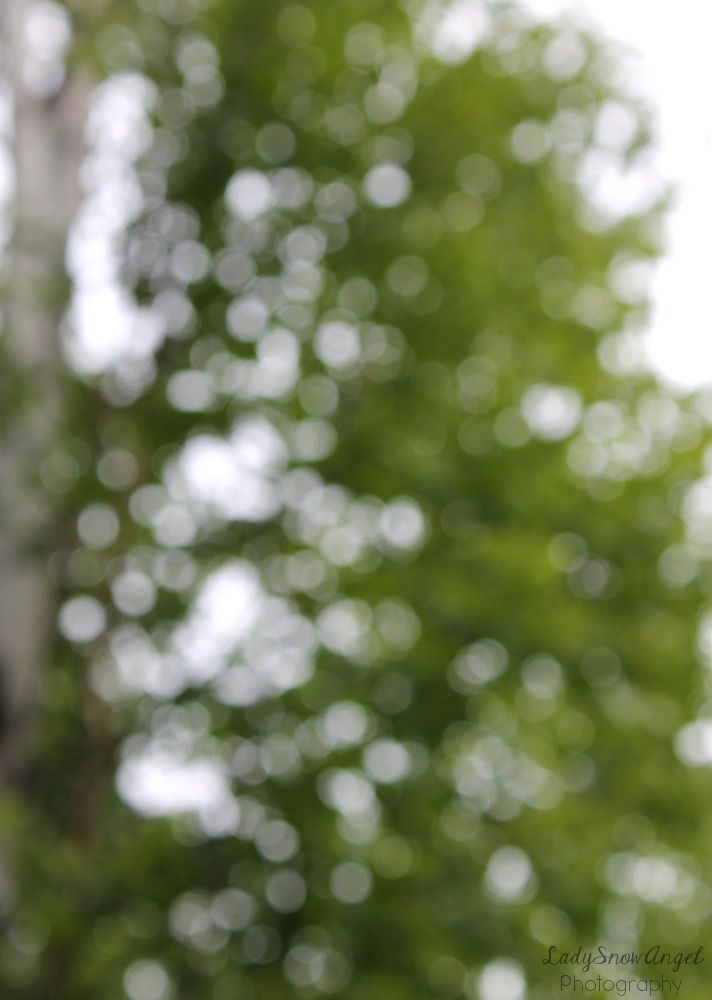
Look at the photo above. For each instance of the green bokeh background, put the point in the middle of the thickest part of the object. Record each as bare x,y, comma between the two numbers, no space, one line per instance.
483,520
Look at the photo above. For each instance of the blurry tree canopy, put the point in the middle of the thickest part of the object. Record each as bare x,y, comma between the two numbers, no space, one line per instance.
377,559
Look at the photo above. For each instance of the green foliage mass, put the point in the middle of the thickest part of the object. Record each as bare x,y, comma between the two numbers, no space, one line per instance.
445,719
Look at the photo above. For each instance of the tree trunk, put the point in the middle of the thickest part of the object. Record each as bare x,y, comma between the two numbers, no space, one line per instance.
47,152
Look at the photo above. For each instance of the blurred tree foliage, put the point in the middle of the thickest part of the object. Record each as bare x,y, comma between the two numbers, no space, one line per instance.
380,610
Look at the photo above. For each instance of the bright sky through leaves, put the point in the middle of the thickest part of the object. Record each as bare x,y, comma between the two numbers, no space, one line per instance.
673,70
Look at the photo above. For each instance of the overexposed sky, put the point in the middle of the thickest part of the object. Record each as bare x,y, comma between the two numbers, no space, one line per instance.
675,69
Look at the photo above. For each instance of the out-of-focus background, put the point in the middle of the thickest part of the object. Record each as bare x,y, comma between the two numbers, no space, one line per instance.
354,594
668,65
